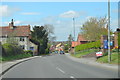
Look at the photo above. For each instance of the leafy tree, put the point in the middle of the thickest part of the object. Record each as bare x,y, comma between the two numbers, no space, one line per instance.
93,28
70,39
40,35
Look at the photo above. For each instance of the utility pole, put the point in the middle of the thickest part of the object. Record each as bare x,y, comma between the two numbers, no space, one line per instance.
74,32
109,54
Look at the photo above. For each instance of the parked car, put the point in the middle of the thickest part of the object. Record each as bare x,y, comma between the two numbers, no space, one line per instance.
62,52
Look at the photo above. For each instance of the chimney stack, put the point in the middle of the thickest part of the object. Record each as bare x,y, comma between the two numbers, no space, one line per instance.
11,25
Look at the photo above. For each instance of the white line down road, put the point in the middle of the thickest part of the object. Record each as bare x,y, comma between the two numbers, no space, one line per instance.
58,66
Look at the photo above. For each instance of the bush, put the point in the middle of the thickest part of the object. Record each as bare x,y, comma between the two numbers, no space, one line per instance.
11,49
16,57
90,45
105,54
115,50
28,52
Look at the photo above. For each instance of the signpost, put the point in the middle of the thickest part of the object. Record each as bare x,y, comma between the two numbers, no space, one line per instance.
99,54
105,44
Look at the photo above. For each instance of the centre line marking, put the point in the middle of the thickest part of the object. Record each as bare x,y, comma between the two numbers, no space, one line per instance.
60,70
71,77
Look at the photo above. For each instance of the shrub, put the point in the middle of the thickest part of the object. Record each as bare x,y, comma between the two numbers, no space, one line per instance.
11,49
28,52
47,50
90,45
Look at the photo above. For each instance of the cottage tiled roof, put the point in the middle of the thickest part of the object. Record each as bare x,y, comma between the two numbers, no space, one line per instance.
16,31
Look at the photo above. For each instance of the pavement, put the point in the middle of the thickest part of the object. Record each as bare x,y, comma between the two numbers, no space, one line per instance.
49,62
5,66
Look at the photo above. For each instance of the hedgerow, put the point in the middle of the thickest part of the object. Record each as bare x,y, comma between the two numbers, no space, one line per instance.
90,45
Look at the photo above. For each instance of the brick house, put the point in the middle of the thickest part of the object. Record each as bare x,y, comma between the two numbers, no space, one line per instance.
80,40
20,33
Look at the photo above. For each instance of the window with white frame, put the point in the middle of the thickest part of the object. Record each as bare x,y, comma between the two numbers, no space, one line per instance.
22,39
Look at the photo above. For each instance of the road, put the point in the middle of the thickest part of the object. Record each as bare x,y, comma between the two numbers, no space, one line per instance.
58,66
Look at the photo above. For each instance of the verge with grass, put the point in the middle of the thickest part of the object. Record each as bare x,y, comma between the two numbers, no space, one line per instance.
84,52
114,59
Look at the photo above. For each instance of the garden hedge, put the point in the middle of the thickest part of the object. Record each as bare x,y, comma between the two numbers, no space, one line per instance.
90,45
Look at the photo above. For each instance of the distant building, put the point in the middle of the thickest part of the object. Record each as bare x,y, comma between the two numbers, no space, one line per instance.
20,33
80,40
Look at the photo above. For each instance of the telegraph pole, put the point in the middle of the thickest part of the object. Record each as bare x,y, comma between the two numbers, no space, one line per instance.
109,54
74,32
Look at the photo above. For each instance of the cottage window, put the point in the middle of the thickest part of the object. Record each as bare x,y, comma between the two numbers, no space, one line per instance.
22,46
32,48
21,38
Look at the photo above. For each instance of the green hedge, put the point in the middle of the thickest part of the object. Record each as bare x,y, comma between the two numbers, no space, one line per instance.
90,45
119,39
11,49
15,57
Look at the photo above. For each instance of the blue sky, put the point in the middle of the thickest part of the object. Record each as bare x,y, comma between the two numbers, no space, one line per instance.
59,14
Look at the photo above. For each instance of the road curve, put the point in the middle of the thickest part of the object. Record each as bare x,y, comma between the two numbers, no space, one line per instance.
58,66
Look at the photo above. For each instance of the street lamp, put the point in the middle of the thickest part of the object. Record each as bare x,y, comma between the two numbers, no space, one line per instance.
74,32
109,54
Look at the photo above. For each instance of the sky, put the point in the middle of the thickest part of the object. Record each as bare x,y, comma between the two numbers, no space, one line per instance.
58,14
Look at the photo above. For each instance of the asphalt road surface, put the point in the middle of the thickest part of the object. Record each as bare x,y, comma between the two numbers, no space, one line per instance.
58,66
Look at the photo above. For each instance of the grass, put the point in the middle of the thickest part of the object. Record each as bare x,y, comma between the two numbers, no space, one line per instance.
114,59
15,57
85,52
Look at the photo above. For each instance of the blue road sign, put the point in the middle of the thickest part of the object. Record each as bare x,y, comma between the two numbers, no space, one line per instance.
105,44
111,43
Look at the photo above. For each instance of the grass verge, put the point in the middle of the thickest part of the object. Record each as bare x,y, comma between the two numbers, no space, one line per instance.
85,52
15,57
114,59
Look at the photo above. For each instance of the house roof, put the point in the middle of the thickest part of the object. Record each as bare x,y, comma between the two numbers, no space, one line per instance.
81,38
16,31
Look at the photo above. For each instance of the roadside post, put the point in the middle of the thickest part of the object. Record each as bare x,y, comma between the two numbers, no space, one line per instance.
109,54
99,54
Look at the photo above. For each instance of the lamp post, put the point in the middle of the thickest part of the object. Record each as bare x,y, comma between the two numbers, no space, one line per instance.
74,32
109,54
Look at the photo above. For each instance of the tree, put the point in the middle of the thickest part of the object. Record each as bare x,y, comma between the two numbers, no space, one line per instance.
40,35
50,29
93,28
70,39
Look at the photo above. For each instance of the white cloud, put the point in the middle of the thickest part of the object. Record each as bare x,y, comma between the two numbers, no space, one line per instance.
30,13
6,11
71,14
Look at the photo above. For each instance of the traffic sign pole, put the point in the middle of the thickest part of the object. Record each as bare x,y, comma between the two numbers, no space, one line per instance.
109,54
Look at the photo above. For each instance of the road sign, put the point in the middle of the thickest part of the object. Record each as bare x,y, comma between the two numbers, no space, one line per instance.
111,43
99,54
105,43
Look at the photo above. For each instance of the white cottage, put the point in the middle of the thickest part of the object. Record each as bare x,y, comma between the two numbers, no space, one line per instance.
21,35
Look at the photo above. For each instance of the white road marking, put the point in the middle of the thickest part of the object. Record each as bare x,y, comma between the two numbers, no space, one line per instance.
60,70
71,77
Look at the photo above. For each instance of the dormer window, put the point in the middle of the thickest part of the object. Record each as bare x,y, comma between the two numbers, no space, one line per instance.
21,38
